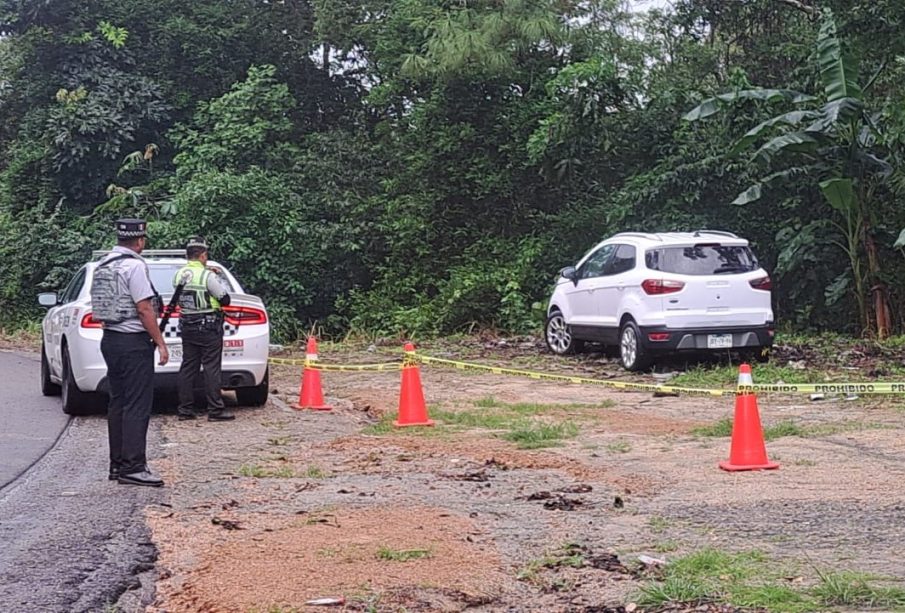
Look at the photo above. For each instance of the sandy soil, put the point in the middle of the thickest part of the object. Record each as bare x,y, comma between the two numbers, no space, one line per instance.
285,506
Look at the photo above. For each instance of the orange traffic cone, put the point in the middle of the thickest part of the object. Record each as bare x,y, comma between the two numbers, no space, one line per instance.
412,409
747,450
311,396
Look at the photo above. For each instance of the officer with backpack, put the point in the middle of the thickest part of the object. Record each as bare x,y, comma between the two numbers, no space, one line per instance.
201,298
123,298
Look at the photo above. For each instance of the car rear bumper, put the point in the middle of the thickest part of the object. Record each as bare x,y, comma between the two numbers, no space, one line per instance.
661,338
168,381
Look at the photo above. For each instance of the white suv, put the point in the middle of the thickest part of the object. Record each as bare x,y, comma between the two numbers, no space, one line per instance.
71,360
651,294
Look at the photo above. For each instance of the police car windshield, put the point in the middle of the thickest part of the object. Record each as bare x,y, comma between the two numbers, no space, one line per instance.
162,277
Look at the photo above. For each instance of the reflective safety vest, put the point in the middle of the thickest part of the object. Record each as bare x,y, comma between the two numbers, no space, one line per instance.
195,297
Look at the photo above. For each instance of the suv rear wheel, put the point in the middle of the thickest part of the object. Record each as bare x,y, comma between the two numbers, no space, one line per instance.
631,352
558,335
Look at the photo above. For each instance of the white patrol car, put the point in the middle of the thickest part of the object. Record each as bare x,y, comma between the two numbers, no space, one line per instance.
652,294
71,360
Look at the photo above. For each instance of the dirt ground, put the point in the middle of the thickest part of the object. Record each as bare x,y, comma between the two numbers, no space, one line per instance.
281,506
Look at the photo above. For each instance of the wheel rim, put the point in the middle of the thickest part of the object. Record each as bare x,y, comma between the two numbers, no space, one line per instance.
629,346
559,337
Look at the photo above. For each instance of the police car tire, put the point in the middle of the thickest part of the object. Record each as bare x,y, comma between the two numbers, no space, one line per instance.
75,401
48,387
254,396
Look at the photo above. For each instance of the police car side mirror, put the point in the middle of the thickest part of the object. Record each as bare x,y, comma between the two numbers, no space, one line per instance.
48,299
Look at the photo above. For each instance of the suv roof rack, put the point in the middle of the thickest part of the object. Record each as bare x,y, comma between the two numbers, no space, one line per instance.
717,232
153,253
647,235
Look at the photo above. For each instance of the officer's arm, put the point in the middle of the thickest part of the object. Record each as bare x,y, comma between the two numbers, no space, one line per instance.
217,289
149,320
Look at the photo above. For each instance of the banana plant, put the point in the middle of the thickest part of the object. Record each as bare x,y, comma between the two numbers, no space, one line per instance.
830,137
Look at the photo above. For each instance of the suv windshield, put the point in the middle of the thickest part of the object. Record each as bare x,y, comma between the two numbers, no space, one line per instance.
710,259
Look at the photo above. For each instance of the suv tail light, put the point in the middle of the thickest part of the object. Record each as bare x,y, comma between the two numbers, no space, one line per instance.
655,287
762,283
88,321
244,316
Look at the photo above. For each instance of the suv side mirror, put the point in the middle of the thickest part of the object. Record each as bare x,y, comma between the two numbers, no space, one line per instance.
48,299
570,273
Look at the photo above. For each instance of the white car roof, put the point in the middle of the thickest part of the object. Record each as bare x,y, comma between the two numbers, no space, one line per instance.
666,239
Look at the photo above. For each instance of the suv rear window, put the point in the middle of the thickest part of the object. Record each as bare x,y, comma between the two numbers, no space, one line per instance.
709,259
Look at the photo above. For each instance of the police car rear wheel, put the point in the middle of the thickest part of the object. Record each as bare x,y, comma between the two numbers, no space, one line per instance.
48,387
75,401
254,396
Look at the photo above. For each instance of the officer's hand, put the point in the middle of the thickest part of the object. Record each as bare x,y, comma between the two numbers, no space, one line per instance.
164,355
216,270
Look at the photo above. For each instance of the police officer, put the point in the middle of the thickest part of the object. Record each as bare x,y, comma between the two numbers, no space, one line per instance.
201,329
125,300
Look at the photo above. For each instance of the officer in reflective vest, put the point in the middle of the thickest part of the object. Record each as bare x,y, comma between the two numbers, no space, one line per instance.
201,329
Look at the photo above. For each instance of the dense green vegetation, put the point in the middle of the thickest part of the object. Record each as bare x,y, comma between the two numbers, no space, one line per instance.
426,166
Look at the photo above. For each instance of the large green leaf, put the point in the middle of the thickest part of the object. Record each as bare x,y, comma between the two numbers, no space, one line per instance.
749,195
900,242
792,118
711,106
840,193
800,142
838,70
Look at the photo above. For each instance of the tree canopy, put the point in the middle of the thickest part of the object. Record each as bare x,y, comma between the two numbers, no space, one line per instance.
426,166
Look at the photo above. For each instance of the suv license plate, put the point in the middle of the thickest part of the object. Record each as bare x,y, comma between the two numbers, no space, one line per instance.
719,341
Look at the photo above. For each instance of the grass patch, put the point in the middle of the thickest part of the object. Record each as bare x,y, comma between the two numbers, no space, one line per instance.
514,422
539,435
666,547
403,555
568,555
726,375
722,427
280,441
752,580
619,447
850,589
315,472
658,524
787,427
533,408
261,472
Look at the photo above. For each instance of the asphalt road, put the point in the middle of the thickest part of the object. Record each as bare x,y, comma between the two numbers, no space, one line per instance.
31,422
70,540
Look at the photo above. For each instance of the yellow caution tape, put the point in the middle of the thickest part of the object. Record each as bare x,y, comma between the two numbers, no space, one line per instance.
622,385
314,365
412,359
879,387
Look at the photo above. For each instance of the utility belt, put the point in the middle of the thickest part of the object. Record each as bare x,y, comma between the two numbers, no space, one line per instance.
202,322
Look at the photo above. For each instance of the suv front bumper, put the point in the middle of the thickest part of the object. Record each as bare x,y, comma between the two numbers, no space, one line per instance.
696,339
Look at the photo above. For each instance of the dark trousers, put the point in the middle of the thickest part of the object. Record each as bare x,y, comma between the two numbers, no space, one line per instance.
201,348
130,374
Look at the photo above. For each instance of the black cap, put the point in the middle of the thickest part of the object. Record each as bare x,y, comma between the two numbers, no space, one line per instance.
197,241
131,228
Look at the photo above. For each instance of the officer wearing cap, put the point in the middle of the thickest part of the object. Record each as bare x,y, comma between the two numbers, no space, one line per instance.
124,299
201,328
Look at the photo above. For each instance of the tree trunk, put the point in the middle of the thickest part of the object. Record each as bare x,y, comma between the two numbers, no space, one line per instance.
879,291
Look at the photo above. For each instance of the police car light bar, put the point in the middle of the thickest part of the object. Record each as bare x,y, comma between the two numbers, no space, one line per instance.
152,253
